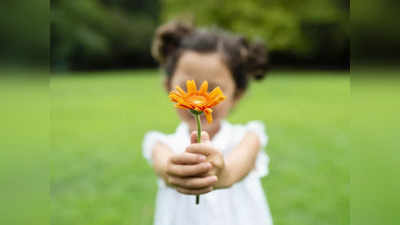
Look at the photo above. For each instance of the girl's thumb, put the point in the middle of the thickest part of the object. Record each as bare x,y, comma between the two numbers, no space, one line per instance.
204,137
193,137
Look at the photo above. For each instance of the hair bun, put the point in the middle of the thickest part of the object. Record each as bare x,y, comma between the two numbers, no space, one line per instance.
168,38
256,62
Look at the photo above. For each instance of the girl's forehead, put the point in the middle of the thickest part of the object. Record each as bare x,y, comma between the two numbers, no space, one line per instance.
203,66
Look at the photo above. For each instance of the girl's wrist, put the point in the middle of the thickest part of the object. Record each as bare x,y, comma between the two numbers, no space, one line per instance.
224,179
161,169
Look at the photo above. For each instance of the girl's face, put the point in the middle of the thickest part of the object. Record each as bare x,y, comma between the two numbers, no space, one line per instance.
200,67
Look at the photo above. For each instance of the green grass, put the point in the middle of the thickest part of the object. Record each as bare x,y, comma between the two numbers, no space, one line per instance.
98,122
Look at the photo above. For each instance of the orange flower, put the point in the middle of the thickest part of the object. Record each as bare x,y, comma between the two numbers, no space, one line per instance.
197,100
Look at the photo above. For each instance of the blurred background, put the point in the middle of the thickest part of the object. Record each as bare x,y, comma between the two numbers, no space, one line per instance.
115,34
106,94
71,142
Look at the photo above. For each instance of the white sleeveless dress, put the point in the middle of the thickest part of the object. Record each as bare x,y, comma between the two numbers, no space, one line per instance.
242,204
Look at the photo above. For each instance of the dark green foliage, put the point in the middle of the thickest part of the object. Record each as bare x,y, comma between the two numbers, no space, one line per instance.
102,33
314,31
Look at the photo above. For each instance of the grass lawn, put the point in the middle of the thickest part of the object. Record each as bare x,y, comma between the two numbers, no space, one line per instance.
98,122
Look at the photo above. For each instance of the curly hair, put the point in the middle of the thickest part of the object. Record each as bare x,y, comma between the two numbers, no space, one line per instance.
244,60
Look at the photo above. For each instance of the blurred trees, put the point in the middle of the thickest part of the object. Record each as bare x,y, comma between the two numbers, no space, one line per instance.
24,39
301,31
99,34
375,37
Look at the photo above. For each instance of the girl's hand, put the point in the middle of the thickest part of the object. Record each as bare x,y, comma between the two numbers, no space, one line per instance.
188,173
214,156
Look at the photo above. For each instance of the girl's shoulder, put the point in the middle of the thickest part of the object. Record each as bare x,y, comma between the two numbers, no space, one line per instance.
238,131
182,129
150,139
176,140
256,126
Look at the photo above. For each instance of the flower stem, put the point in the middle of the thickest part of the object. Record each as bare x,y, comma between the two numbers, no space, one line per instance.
197,116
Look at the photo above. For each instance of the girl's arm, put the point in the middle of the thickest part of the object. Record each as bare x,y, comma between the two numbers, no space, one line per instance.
240,161
160,156
236,165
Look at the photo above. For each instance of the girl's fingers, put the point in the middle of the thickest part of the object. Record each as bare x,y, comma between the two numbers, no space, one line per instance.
193,137
188,170
205,138
192,183
201,148
194,191
187,158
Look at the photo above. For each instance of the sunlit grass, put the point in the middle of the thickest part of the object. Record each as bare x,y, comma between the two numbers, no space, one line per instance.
98,121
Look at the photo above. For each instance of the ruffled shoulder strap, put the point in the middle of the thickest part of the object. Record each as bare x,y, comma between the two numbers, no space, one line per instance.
258,128
150,139
261,167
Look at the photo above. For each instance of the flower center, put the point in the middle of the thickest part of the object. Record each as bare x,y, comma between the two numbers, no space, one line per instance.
197,99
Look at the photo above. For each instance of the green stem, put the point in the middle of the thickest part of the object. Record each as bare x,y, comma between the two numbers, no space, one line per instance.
197,116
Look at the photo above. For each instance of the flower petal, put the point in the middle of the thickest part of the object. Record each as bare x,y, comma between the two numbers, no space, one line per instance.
207,113
216,101
203,87
200,101
174,97
180,106
191,86
180,90
214,93
185,104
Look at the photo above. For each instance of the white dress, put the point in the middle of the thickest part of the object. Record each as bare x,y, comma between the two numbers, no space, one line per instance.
242,204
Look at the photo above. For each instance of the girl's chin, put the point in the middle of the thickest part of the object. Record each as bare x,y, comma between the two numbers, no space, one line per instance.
205,125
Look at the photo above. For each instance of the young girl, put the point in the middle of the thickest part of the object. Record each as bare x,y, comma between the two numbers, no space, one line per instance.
226,167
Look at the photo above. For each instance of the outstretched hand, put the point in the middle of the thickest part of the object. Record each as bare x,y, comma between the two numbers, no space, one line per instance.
190,173
213,156
198,170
